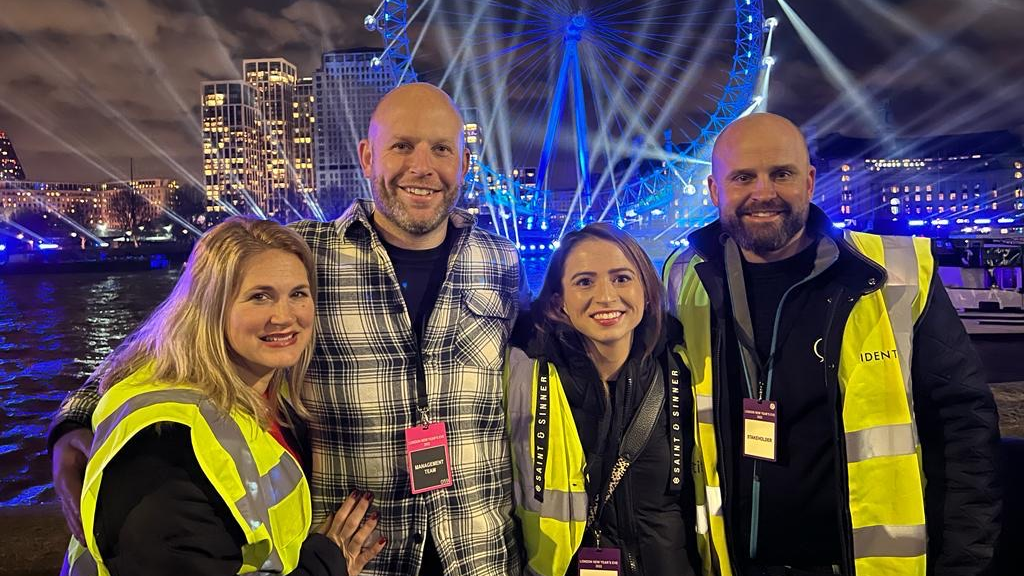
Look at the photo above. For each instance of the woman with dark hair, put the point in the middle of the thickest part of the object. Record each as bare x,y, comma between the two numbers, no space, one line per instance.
599,416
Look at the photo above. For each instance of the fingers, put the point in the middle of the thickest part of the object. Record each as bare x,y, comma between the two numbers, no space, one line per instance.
351,528
358,539
356,565
355,516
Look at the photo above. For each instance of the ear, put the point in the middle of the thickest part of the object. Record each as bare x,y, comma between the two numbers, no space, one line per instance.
366,157
713,189
811,177
465,163
559,303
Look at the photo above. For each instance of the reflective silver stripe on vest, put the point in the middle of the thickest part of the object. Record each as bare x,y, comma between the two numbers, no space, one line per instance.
893,440
85,565
262,493
714,496
557,504
705,408
901,288
890,541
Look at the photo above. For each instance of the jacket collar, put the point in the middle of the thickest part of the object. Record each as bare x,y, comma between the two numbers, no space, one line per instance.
855,271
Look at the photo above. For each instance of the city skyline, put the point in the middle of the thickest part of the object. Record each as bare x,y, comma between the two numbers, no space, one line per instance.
90,87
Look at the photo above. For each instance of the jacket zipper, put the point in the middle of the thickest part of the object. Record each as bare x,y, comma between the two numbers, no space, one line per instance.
832,377
716,415
631,562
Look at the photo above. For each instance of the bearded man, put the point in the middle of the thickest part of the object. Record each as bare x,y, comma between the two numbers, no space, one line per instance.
843,422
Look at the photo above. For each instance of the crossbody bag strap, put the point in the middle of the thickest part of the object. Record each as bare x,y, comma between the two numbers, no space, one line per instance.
635,439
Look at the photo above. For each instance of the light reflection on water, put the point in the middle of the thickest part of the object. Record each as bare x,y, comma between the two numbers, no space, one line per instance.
54,330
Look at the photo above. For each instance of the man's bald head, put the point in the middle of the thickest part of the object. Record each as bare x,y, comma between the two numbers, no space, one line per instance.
763,127
762,182
415,96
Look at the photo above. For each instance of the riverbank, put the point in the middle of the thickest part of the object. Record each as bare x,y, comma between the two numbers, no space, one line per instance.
34,540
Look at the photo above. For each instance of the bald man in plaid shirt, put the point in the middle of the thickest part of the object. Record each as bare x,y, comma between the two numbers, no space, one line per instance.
415,305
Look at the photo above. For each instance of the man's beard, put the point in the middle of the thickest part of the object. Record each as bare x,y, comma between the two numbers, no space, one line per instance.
385,196
765,237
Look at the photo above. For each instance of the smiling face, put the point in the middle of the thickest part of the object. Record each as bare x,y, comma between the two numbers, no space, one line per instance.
602,294
762,183
270,320
415,160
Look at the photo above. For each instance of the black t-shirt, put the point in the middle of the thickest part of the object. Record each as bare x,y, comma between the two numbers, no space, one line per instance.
420,274
799,519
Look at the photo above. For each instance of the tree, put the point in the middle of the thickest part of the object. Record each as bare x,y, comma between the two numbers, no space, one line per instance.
125,210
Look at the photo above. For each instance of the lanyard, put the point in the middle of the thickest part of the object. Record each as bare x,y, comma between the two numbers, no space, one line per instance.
763,373
421,379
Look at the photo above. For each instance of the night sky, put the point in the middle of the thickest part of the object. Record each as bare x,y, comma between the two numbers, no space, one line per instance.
103,76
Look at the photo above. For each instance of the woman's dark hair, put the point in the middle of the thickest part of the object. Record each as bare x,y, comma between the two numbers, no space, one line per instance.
551,320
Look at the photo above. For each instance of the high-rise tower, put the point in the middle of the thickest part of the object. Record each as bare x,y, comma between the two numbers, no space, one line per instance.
274,80
232,147
10,166
347,89
304,120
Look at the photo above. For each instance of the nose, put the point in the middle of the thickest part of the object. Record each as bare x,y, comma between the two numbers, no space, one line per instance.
764,188
420,161
282,314
606,292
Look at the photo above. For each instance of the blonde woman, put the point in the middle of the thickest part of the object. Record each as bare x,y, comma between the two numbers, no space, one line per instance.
196,466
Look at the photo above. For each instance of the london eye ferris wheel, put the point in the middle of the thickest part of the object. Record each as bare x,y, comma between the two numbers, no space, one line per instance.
583,110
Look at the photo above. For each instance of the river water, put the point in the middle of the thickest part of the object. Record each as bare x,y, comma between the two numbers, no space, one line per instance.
54,329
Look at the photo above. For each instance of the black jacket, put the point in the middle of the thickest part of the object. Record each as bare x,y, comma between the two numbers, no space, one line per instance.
651,521
954,409
158,514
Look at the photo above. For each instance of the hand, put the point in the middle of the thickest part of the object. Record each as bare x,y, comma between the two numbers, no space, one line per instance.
70,455
343,528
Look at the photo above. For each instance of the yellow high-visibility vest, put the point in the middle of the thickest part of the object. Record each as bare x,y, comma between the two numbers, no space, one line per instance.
261,483
550,489
883,454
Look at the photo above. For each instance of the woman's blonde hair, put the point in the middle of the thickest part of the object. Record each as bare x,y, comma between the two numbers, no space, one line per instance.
185,338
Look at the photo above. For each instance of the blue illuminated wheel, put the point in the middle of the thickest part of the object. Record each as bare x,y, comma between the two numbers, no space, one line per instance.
578,98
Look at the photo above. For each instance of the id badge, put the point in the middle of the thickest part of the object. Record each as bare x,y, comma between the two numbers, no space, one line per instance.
427,456
599,561
760,422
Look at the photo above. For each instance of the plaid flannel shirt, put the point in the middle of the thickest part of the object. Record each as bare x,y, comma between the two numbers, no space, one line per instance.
361,393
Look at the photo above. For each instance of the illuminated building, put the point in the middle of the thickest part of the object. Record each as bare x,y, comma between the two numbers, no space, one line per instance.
106,205
233,167
10,166
274,80
79,201
303,119
941,185
347,89
151,196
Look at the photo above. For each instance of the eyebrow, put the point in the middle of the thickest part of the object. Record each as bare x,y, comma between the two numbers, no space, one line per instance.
272,288
419,138
612,271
